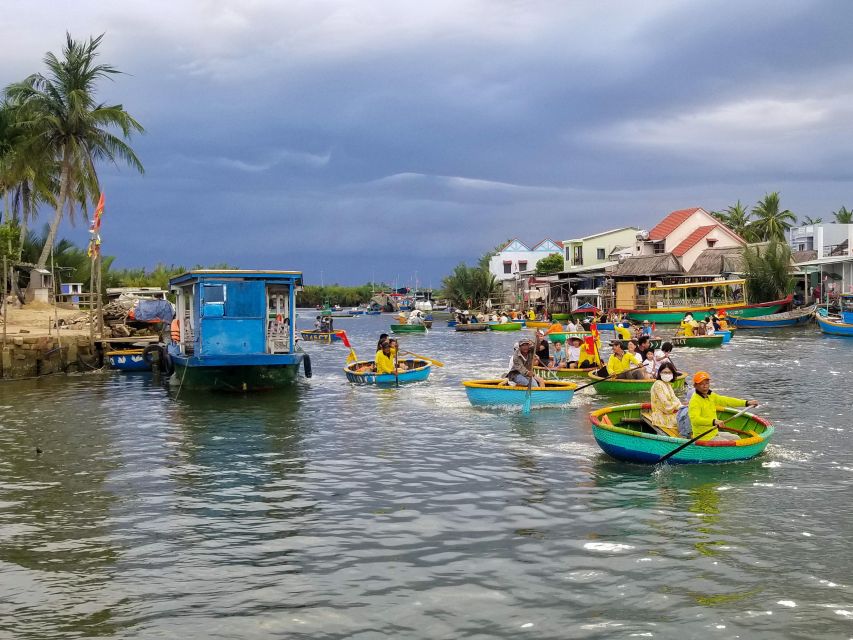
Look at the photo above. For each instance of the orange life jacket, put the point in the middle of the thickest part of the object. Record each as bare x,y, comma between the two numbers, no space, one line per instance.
176,331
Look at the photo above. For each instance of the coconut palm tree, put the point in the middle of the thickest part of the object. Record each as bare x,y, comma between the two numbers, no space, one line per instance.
769,222
736,218
843,216
63,122
809,220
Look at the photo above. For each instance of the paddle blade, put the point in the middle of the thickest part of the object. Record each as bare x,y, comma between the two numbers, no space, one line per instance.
528,400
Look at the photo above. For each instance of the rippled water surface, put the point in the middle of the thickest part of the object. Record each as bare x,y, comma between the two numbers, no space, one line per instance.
332,511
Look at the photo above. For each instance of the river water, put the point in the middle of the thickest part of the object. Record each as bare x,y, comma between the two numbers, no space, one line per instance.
334,511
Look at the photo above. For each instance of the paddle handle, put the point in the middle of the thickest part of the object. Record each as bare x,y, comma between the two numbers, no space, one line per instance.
700,436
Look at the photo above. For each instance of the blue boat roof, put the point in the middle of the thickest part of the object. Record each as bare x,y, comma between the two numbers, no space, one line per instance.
290,277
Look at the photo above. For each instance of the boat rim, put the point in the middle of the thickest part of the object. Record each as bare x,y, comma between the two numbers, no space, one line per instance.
555,385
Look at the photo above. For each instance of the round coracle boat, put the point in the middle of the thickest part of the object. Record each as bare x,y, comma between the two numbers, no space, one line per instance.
619,385
562,336
361,372
563,374
408,328
500,392
506,326
625,433
473,326
312,335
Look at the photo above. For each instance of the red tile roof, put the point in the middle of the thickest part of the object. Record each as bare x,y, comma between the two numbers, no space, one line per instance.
690,241
669,224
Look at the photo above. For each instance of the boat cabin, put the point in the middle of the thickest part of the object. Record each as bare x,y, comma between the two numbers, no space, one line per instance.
235,312
653,295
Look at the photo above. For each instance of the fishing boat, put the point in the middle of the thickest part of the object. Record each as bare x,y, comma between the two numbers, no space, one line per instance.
623,433
313,335
493,393
618,385
705,342
563,374
235,330
667,304
408,328
775,320
841,325
472,326
506,326
416,371
562,336
128,360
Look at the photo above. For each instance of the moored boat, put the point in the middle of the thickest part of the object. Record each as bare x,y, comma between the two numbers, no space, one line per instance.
492,393
834,326
619,385
234,330
128,360
417,370
560,317
451,323
623,433
506,326
313,335
775,320
472,326
408,328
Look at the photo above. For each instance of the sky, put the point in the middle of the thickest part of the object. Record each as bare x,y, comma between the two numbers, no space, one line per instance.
393,139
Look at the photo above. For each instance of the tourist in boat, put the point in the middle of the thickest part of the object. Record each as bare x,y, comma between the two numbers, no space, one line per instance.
643,346
415,318
555,327
646,330
703,408
633,351
573,352
558,358
395,349
688,325
504,318
709,327
521,367
384,360
318,323
723,323
531,315
665,404
571,327
621,364
382,338
543,351
623,333
662,355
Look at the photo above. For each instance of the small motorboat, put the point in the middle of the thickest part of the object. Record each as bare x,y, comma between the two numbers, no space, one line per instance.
625,434
495,393
416,371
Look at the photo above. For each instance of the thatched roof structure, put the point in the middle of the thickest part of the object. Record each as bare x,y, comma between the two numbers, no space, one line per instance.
804,256
660,264
718,262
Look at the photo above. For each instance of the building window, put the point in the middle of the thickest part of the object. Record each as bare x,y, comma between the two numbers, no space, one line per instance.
599,254
660,247
522,265
578,256
711,242
507,267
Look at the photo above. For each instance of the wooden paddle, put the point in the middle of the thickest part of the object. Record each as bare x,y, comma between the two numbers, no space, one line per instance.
701,435
595,382
437,363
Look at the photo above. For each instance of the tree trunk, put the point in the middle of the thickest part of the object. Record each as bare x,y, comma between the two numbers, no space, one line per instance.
57,218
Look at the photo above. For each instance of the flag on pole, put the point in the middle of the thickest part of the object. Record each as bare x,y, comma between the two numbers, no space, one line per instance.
94,249
99,212
343,336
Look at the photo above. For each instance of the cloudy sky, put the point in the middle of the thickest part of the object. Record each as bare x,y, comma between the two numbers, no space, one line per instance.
388,137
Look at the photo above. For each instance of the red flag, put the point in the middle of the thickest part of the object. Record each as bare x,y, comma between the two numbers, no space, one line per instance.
654,327
343,336
99,212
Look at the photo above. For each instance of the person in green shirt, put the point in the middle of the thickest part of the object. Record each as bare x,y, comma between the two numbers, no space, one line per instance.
702,408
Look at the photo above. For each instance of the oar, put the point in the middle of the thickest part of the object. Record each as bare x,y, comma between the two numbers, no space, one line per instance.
397,365
701,435
437,363
595,382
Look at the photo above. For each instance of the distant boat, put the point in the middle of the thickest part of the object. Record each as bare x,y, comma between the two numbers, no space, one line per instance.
417,371
840,325
235,330
775,320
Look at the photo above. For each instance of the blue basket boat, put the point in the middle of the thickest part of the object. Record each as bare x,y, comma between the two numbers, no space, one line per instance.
128,360
497,393
417,371
326,337
623,433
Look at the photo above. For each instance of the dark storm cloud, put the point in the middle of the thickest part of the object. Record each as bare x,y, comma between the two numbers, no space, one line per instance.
359,139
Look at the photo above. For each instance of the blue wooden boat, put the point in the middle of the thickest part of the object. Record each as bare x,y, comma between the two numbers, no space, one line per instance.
496,393
417,371
128,360
726,333
836,326
774,320
326,337
235,330
623,433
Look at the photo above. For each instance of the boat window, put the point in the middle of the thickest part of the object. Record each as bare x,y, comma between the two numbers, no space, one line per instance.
213,300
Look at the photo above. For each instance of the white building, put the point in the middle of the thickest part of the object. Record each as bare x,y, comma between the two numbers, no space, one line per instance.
516,257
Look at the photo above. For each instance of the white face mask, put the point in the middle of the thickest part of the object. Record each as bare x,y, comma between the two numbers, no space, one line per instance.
666,376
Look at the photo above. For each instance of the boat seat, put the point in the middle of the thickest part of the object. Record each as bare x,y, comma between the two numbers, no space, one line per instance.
660,430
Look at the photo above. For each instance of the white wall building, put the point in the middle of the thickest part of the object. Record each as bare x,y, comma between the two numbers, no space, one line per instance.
517,257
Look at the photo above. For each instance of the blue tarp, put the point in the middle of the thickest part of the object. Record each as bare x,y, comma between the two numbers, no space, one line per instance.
154,311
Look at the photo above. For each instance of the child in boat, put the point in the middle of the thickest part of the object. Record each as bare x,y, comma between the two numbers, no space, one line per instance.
661,356
573,352
558,358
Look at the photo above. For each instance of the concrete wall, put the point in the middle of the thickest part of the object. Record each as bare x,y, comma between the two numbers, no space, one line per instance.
606,241
26,357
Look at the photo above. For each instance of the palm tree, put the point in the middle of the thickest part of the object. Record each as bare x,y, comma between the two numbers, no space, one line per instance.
63,122
809,220
843,216
770,223
736,218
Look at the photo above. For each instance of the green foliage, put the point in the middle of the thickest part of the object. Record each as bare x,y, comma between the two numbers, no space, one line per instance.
843,216
810,220
470,287
10,241
312,295
550,264
737,218
768,272
769,222
484,260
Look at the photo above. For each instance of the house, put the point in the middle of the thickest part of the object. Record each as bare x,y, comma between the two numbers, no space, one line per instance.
825,240
516,257
597,249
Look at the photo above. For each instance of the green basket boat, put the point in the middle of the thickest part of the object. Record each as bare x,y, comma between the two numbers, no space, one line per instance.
507,326
561,336
623,433
563,374
408,328
617,385
560,317
705,342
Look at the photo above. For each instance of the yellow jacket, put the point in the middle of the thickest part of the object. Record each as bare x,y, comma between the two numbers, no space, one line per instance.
384,364
588,356
623,332
618,365
703,412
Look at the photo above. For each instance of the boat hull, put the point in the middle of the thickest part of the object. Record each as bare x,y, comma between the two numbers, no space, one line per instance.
560,317
507,326
408,328
128,360
451,323
475,326
488,393
327,337
703,342
418,372
727,335
618,386
238,378
675,315
563,374
561,336
625,441
833,327
537,324
789,319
